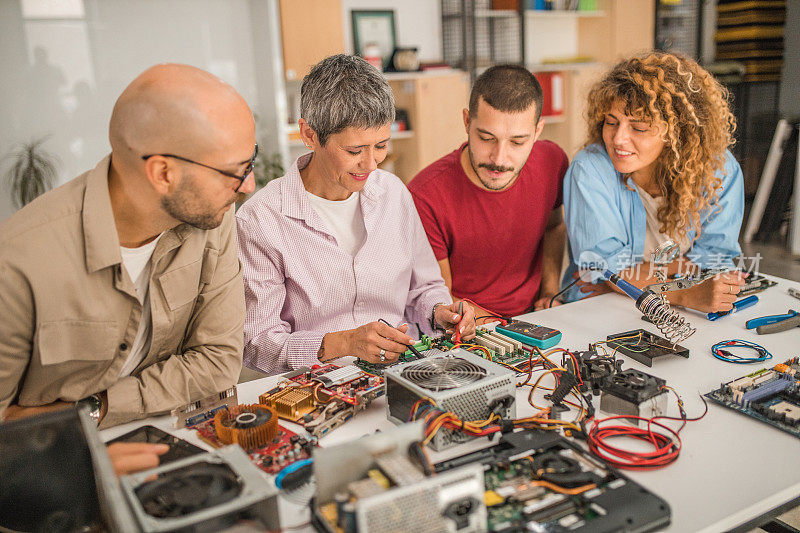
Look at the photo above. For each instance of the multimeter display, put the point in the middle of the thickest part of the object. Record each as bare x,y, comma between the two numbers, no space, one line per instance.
533,334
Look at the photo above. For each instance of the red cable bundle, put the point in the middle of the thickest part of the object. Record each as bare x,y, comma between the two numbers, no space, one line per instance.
666,447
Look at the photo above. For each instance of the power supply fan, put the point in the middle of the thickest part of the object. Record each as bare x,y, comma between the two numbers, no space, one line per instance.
249,426
187,490
443,373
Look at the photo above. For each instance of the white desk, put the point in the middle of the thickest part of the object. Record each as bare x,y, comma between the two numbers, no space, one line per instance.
732,468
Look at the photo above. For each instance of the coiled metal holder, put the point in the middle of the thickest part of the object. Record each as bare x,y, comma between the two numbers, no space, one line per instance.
656,308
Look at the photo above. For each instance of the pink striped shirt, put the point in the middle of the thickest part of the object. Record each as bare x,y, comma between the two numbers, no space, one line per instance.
299,285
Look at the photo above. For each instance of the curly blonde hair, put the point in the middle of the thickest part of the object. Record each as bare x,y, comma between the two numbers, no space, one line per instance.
678,95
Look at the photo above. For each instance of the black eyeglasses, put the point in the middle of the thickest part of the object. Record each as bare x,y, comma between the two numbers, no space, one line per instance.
241,178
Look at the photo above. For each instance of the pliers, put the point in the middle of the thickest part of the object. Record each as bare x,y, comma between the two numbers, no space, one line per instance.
774,323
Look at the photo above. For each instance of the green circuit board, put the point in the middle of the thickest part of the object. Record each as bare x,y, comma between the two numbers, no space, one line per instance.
428,346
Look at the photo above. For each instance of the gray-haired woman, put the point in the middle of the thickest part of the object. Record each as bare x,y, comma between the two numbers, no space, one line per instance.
336,245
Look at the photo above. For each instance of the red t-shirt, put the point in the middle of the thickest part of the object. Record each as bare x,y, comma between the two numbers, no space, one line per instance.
493,239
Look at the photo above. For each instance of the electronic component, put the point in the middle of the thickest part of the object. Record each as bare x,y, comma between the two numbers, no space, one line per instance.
593,368
249,426
340,375
270,446
384,489
487,341
323,397
459,382
178,448
291,403
501,349
538,481
426,346
756,283
769,395
210,492
55,475
632,392
533,334
204,409
643,346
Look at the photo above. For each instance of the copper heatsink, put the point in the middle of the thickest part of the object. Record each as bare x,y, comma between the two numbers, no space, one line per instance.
291,403
249,426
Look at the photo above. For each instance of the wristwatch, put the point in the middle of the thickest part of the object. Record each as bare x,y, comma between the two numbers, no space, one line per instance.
434,325
95,405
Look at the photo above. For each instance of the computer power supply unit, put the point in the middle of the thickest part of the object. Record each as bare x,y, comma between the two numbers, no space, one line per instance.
206,492
458,381
375,485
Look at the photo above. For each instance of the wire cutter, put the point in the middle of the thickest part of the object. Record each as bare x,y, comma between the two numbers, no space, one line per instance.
774,323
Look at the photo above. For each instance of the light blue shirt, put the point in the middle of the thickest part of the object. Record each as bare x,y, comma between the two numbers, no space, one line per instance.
606,221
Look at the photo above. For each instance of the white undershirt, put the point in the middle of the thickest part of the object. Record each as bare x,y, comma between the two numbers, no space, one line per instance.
138,266
652,236
344,220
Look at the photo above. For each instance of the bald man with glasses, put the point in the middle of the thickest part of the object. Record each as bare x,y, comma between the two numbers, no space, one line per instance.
122,289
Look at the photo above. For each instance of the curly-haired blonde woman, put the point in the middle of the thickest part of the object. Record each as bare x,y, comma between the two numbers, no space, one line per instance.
657,167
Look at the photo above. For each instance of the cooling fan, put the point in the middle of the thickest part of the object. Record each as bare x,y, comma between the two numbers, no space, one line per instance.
632,392
457,381
443,373
210,491
188,490
249,426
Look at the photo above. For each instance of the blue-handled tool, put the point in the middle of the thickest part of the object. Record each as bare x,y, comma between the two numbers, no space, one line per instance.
774,323
738,305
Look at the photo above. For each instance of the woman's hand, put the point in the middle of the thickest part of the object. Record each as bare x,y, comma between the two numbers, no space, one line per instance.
366,342
447,316
713,295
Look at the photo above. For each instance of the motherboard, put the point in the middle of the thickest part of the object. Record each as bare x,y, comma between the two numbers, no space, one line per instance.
771,395
324,397
487,343
538,481
276,447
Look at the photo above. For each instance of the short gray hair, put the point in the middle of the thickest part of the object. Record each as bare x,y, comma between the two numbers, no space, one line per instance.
345,91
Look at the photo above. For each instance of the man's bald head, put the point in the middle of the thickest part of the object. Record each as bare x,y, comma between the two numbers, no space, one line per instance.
183,110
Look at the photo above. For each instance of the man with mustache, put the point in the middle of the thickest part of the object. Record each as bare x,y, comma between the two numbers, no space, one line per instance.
122,288
492,208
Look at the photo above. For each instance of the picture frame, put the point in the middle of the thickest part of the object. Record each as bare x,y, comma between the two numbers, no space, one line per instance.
374,26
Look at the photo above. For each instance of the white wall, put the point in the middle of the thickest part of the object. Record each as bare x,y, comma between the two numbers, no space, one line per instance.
417,23
61,76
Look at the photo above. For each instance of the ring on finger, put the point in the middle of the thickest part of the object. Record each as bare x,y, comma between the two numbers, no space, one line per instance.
730,289
382,355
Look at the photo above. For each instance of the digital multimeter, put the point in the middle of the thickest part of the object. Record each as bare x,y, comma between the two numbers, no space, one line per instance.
532,334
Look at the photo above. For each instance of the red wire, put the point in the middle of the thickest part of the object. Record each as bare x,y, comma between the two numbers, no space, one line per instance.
666,446
504,321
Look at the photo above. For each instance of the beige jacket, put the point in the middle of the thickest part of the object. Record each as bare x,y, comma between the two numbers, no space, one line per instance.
70,315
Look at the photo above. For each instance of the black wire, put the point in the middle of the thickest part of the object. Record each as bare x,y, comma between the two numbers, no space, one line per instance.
492,316
562,291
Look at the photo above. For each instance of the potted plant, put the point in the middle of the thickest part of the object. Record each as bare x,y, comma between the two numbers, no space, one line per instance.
32,172
268,168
